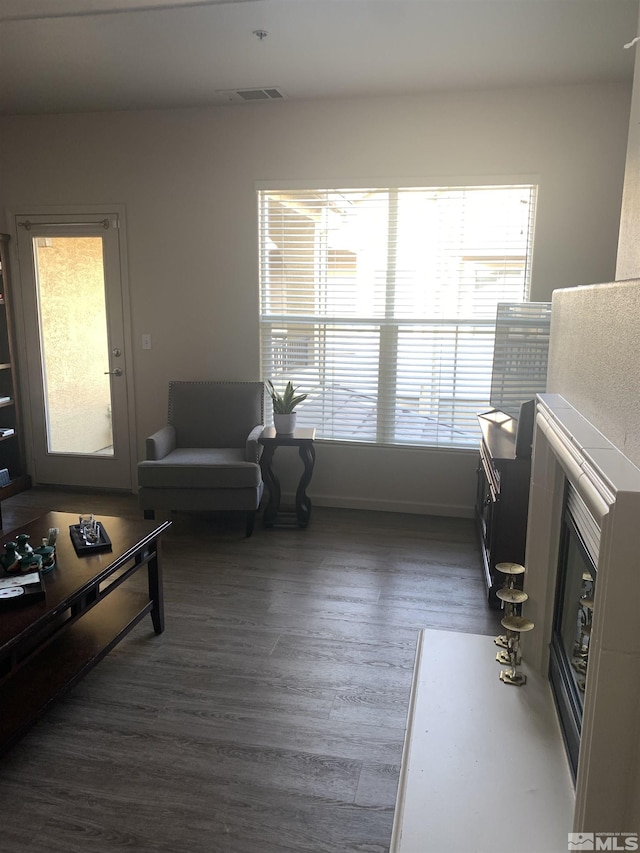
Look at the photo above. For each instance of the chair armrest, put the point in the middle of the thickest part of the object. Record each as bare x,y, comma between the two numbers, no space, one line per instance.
161,443
253,448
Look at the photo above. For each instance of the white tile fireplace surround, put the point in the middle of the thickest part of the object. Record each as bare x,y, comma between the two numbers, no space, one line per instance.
569,448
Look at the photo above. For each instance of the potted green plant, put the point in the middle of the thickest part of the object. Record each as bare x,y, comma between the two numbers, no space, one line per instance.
284,415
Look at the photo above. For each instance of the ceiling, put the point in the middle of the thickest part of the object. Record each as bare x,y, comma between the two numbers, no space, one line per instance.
81,55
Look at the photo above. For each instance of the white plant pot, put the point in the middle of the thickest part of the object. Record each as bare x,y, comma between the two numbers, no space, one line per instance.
285,424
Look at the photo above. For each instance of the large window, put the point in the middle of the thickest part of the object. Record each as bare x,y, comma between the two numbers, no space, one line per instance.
381,304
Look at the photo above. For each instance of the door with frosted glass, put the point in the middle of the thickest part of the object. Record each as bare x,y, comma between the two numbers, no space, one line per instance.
71,285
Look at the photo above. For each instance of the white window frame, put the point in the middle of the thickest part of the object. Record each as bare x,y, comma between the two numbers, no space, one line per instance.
389,328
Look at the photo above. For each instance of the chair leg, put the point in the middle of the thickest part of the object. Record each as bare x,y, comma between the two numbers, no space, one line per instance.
250,524
150,514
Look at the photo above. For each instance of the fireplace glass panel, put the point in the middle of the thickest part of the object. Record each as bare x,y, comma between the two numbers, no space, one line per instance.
572,632
577,611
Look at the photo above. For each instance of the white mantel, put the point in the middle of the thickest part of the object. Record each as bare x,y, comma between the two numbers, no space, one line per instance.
568,447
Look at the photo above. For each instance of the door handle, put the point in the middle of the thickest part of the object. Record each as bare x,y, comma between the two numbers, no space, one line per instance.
116,372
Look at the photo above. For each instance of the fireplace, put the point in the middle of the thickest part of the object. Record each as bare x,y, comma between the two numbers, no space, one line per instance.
583,582
573,617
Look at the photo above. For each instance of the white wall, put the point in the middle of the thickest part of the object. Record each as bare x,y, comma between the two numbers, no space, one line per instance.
595,341
628,261
187,180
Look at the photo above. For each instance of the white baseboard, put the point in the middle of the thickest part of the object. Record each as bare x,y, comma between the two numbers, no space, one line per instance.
379,505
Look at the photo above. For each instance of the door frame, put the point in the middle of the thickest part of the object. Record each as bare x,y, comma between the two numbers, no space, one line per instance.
103,211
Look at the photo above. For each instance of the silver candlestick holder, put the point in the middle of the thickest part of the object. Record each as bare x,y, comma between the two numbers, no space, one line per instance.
515,626
512,599
511,571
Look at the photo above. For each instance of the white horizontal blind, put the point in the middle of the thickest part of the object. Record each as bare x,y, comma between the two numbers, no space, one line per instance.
381,304
520,354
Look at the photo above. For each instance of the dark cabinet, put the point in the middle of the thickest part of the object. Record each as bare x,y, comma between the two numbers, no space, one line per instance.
502,500
13,476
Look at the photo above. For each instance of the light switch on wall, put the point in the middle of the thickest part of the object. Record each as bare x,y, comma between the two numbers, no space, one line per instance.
146,342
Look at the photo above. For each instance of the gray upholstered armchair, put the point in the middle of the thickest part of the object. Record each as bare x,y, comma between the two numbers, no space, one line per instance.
207,458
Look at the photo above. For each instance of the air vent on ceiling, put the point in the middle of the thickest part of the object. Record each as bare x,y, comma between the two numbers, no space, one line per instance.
239,96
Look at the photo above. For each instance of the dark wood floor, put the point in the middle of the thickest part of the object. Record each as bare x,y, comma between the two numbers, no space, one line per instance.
270,715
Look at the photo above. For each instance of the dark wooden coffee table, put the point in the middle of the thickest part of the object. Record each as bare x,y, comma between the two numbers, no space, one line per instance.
48,646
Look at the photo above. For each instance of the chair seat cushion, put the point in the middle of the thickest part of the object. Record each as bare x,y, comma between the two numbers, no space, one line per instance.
200,468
